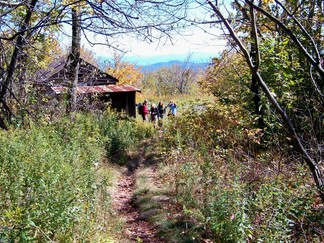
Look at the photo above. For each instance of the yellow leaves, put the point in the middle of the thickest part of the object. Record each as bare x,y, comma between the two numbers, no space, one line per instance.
88,56
70,2
67,2
77,5
255,134
12,216
126,73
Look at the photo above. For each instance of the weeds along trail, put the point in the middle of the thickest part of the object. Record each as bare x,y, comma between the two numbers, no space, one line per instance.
137,228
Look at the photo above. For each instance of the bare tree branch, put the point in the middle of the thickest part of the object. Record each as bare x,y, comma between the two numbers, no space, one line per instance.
314,82
315,62
313,166
318,56
256,39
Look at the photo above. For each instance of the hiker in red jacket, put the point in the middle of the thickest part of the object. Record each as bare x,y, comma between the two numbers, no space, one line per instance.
145,111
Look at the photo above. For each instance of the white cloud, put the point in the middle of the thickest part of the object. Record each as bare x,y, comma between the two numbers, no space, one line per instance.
197,41
205,45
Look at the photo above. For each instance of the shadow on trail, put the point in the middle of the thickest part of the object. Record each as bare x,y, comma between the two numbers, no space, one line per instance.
150,212
137,228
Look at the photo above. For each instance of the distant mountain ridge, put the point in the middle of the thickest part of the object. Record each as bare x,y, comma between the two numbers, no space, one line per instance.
159,65
196,60
197,57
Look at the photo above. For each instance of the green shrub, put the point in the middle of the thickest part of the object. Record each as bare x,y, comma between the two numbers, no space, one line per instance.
232,190
121,136
48,178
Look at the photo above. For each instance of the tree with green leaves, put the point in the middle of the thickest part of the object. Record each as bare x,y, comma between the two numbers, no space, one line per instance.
296,70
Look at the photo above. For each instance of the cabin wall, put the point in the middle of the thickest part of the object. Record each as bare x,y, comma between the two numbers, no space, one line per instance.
124,101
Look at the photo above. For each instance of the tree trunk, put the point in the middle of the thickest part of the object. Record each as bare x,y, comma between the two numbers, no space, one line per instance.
20,42
74,59
255,90
255,58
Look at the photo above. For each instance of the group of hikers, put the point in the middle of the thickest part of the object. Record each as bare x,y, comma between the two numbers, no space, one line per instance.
156,112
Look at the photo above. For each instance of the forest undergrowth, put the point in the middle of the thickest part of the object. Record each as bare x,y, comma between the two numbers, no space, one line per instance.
237,183
225,180
55,177
217,178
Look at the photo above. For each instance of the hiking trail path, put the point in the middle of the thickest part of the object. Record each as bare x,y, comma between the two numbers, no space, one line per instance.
137,228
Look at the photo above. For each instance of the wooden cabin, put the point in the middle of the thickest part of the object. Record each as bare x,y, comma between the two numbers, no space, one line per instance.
92,82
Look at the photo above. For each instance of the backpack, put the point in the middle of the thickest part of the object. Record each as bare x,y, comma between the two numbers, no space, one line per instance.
140,109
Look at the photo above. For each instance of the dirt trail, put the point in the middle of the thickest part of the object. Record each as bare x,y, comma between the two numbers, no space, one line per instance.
137,229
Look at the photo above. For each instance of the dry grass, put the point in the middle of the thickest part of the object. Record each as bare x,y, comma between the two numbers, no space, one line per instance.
109,223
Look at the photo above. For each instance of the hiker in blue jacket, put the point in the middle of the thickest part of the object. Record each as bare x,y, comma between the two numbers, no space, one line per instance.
173,108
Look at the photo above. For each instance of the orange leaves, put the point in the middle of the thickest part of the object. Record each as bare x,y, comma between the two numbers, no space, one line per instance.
88,56
255,134
125,72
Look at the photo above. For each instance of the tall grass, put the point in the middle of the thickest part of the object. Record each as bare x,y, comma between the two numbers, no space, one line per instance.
49,182
233,188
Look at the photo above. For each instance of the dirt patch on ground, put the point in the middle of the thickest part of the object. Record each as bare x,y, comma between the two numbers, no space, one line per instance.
137,228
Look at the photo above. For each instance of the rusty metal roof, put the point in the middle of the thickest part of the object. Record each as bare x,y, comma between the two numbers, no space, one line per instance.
99,89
